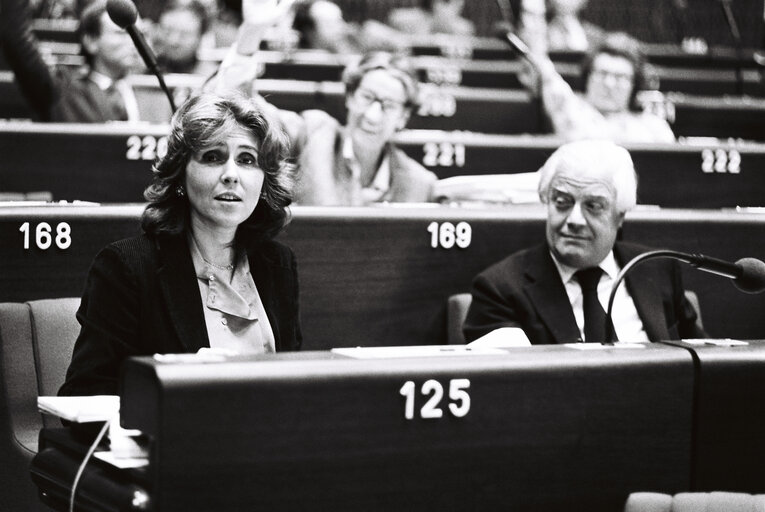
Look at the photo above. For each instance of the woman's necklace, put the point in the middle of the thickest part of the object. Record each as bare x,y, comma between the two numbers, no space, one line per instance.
219,267
228,267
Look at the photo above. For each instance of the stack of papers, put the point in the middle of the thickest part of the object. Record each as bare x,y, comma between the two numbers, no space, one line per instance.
81,409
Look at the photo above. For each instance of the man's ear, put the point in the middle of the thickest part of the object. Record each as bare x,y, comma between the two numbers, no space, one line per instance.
621,219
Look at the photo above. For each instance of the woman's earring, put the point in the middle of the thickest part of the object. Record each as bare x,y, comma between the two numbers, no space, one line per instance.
179,191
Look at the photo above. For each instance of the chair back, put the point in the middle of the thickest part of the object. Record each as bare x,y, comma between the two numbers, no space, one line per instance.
36,342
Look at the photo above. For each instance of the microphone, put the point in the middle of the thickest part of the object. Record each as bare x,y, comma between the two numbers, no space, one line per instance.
516,43
730,19
748,274
124,14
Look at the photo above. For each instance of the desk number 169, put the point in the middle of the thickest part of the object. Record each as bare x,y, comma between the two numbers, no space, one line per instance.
44,237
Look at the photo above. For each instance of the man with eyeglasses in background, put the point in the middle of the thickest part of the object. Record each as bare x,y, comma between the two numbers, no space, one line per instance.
352,165
612,73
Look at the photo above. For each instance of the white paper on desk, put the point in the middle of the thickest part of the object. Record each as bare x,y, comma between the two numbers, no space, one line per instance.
504,337
602,346
122,462
413,351
80,409
717,342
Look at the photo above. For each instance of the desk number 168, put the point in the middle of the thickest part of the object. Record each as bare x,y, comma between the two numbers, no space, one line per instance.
44,236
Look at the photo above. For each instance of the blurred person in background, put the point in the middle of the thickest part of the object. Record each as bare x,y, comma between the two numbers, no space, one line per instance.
613,74
432,17
178,37
343,165
54,9
93,94
320,25
556,25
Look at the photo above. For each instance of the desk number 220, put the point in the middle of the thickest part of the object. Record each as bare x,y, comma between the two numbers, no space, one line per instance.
460,399
44,237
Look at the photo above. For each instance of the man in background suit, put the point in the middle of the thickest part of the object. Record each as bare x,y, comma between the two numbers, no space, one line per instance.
588,186
96,93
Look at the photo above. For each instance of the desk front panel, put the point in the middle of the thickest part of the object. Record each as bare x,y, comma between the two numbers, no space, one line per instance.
381,276
729,444
532,429
714,175
112,164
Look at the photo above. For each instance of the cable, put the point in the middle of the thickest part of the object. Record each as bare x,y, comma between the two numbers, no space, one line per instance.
84,463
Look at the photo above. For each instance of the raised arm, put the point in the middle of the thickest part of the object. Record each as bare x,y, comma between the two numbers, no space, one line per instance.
239,67
21,48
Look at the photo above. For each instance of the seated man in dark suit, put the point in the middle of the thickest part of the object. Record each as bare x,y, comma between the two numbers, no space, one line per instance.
552,290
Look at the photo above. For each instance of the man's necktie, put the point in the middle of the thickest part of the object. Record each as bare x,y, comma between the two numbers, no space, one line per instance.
594,315
116,103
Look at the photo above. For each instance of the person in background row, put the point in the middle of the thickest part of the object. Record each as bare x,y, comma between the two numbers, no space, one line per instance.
351,165
178,36
555,25
557,292
613,74
206,271
321,26
94,94
432,17
54,9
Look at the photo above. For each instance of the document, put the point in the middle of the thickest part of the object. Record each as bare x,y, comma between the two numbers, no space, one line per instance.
81,409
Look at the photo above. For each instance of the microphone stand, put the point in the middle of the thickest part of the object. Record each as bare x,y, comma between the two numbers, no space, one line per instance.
748,275
620,277
734,32
699,261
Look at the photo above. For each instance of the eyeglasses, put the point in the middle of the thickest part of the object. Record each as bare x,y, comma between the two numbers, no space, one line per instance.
623,79
366,98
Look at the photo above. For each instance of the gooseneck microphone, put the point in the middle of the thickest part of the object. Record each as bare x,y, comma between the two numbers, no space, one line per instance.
748,274
124,14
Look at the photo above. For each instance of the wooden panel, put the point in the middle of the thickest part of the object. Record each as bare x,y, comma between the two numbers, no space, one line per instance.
546,427
371,276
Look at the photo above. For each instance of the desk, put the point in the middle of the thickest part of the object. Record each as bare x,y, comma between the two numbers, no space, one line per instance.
535,428
381,276
730,406
447,108
112,163
530,429
711,175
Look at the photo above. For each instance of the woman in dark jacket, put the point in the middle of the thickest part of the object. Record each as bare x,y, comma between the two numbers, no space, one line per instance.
206,272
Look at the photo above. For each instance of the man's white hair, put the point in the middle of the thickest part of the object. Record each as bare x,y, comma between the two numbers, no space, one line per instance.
598,157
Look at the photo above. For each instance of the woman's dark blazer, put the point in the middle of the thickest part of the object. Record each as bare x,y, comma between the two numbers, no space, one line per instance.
141,297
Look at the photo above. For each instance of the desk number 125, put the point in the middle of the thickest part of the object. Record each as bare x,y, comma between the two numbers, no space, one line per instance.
44,236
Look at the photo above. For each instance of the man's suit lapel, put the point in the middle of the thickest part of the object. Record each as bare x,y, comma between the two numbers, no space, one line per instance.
646,295
178,283
547,293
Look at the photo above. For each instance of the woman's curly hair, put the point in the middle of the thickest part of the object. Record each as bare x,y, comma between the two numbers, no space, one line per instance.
204,120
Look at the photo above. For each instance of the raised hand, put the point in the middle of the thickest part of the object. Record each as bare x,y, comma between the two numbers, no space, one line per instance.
265,13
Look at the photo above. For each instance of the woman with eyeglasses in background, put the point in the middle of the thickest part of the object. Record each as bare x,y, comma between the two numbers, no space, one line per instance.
342,165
